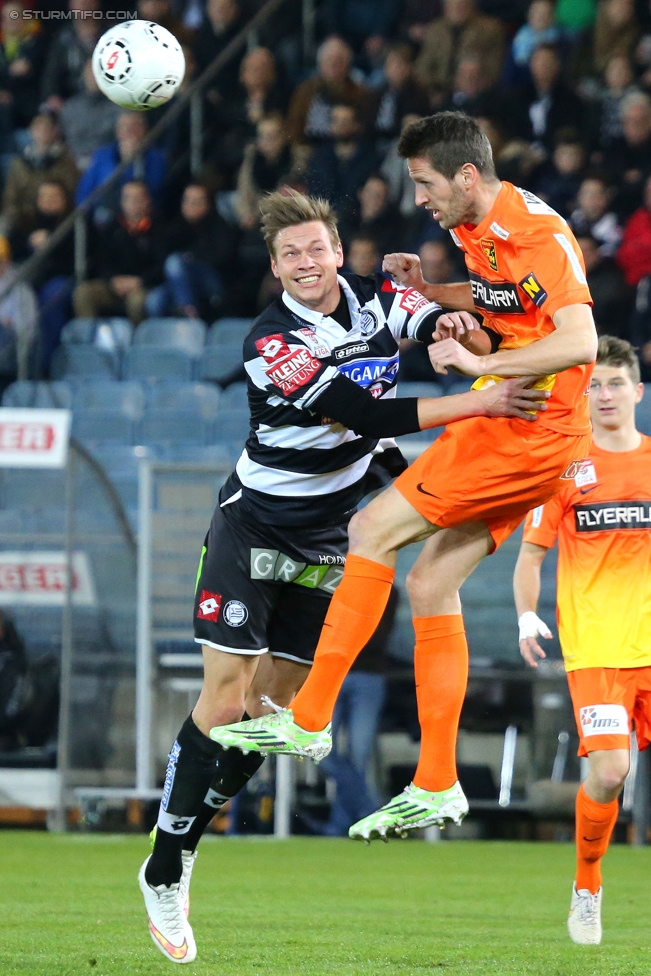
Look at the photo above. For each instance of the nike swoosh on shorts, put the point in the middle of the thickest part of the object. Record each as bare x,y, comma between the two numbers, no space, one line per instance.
420,488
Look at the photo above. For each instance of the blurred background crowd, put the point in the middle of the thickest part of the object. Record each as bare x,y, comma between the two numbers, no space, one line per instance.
563,91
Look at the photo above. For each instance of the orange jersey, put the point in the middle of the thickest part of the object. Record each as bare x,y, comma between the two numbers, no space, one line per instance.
524,265
603,523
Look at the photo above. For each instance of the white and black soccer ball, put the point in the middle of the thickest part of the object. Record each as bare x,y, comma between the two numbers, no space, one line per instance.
138,65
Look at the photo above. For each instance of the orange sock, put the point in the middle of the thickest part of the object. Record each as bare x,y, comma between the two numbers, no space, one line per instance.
594,825
441,668
355,611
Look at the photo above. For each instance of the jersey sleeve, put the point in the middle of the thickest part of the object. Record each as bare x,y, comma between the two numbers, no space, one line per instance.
541,524
281,363
551,271
406,310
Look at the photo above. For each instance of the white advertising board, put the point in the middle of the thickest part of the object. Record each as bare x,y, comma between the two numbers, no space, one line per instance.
39,579
33,438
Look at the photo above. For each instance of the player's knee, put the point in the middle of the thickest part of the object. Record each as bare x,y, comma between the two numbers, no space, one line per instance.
362,530
612,774
421,586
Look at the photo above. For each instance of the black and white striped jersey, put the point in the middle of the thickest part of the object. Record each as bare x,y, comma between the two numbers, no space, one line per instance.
297,467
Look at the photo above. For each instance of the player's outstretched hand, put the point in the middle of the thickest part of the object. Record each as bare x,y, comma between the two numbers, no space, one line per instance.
511,398
404,268
449,352
456,325
531,627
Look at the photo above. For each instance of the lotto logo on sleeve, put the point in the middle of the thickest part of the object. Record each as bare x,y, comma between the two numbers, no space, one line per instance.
412,301
272,347
209,606
603,720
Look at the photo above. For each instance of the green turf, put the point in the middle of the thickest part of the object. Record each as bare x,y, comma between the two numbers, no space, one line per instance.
70,905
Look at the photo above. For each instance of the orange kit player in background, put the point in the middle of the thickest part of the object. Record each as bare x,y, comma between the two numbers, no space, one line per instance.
602,520
475,484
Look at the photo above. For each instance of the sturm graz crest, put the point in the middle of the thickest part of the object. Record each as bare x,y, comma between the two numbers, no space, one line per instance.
368,322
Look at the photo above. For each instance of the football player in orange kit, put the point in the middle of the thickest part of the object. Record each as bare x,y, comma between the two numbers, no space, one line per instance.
602,520
470,489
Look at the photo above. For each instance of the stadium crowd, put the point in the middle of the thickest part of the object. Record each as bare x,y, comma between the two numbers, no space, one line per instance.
563,91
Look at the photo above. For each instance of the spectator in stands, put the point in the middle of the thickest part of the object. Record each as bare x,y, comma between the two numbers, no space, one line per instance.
160,11
461,31
341,165
539,29
69,50
310,108
126,259
364,24
634,255
608,124
559,178
46,157
628,159
514,157
151,168
223,22
592,217
88,120
375,217
234,127
18,318
200,249
53,278
400,94
471,90
612,297
415,18
22,48
616,31
546,102
363,256
267,163
401,186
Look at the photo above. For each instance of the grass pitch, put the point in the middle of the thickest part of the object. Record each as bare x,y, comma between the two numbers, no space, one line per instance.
70,905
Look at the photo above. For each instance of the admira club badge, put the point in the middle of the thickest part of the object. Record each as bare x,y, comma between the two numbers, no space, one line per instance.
488,247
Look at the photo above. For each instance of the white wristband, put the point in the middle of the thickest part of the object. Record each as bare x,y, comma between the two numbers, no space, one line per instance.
530,625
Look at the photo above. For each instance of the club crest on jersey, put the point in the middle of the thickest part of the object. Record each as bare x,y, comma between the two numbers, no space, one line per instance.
488,247
235,613
533,289
368,322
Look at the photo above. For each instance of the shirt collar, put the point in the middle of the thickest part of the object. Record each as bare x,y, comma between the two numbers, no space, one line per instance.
316,318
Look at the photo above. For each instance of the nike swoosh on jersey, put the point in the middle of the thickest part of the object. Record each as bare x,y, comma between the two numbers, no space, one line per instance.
420,488
584,491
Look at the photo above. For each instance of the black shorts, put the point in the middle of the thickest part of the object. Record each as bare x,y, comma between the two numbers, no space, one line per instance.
266,588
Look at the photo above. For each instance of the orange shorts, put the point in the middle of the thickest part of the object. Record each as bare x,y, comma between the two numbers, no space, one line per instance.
607,701
493,471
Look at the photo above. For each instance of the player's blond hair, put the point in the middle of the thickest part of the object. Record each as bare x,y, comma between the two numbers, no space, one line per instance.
615,352
287,208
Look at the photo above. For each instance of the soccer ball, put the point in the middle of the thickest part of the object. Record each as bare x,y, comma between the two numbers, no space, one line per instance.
138,65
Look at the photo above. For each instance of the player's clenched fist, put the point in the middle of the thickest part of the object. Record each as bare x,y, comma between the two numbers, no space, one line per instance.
404,268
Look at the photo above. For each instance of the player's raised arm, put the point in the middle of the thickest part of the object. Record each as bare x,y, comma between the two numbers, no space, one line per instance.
526,590
406,270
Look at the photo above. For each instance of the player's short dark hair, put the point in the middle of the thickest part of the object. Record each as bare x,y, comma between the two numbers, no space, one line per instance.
287,208
448,140
612,351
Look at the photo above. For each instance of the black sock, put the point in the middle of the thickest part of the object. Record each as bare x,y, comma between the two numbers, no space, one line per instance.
190,771
234,770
